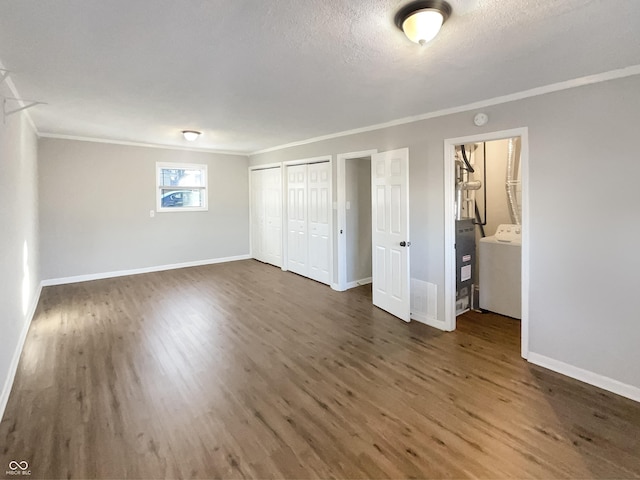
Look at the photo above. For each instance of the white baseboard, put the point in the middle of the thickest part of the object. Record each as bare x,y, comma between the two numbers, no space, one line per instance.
432,322
358,283
136,271
15,360
595,379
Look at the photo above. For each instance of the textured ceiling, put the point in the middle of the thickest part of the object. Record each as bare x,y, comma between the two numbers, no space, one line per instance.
253,74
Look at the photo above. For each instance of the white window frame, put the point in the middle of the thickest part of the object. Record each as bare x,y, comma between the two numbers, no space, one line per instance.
182,166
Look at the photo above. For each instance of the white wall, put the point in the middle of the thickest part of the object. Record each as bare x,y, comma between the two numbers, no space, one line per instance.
583,211
95,203
19,263
497,204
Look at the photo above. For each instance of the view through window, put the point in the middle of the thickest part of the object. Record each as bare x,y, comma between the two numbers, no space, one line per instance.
181,187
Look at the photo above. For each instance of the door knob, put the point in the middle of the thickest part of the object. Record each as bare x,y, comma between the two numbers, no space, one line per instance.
405,244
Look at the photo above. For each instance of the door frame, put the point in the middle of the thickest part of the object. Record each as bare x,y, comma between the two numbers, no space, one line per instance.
341,244
266,166
449,225
285,209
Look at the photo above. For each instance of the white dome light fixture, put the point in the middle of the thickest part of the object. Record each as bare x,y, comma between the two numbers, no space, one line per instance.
421,20
191,135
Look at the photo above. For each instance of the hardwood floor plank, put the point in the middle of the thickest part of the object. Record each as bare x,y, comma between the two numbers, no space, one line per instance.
241,370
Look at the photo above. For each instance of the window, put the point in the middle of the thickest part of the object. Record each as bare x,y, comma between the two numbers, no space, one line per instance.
181,187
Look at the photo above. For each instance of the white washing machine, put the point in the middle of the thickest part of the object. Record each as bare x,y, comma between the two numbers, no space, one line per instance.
500,272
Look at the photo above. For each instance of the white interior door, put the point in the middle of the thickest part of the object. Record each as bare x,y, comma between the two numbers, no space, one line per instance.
390,231
272,195
257,215
297,239
319,189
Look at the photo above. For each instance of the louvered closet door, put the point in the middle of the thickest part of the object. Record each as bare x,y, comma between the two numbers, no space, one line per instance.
318,186
297,238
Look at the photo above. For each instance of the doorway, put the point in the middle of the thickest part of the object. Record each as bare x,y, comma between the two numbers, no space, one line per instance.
357,231
353,218
486,226
389,214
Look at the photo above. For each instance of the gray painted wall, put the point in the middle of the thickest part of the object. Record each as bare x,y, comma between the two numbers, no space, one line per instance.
20,278
95,203
583,214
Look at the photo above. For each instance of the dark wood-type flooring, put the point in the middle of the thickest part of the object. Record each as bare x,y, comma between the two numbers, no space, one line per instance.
241,370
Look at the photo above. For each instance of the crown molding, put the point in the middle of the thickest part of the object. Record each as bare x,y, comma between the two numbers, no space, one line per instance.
534,92
138,144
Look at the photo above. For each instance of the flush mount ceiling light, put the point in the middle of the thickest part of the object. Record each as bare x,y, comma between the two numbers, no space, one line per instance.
191,135
421,20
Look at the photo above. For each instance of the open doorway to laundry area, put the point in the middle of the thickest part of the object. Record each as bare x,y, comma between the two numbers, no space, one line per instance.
489,224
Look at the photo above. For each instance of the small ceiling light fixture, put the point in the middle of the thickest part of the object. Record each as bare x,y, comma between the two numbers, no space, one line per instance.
191,135
421,20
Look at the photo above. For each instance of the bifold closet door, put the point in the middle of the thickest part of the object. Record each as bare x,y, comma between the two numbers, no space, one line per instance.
318,186
266,215
308,248
272,195
257,215
297,219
